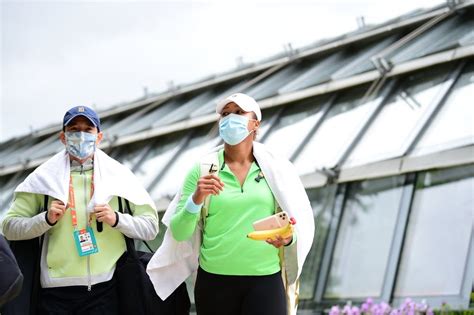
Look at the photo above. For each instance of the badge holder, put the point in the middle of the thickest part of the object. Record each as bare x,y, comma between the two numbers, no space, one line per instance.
85,242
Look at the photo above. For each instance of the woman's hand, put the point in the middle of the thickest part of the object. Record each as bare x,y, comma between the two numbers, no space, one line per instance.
279,241
207,185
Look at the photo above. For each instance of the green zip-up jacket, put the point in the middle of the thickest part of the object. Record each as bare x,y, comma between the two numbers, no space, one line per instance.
61,264
225,247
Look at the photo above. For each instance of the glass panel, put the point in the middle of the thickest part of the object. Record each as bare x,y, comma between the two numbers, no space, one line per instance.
5,195
8,147
147,120
362,60
453,125
345,118
129,155
350,61
110,121
467,39
9,183
395,125
46,148
17,154
293,125
270,85
439,233
185,110
446,35
224,91
201,142
336,66
364,239
322,202
114,125
268,118
160,154
317,72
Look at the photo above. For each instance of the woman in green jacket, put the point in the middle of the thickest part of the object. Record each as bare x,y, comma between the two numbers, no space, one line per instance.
236,275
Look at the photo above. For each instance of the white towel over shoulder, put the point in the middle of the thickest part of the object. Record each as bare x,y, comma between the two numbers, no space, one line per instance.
110,179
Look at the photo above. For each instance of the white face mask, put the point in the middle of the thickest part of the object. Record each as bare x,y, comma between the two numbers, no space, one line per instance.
233,128
80,144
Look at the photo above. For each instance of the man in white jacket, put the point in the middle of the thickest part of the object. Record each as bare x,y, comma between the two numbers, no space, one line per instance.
83,231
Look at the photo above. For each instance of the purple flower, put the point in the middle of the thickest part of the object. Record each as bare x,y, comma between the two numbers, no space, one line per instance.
364,307
335,310
347,309
408,307
377,310
385,308
422,307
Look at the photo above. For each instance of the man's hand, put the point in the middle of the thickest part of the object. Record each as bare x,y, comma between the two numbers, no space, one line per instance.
56,211
104,213
279,241
207,185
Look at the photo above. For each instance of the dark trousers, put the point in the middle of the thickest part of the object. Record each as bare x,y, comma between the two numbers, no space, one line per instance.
239,295
77,300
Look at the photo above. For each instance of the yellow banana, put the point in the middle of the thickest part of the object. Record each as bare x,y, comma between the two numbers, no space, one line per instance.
284,232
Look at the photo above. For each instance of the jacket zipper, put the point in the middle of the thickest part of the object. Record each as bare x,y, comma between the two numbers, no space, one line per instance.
89,280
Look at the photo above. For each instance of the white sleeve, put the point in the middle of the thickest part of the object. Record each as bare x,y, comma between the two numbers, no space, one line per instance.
18,228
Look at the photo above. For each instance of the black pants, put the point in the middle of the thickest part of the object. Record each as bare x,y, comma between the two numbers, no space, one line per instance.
239,295
101,300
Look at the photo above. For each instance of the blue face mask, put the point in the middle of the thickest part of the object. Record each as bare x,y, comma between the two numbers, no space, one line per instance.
233,128
80,144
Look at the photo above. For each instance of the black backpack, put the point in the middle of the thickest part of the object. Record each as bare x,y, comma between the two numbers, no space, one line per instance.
28,256
135,290
10,274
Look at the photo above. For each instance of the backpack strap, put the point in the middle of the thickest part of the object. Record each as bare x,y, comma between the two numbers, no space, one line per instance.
36,287
209,164
129,242
43,209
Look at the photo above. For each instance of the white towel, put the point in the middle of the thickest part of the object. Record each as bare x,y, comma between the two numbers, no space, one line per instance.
110,179
175,261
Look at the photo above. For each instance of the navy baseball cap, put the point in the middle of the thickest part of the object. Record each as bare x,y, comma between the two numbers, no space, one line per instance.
85,111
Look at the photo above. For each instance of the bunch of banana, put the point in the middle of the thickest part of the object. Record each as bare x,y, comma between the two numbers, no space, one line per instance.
264,235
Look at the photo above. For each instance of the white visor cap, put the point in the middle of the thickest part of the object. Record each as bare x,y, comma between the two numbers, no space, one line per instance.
244,101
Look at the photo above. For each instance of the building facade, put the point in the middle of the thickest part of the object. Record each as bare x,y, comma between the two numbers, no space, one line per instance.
380,126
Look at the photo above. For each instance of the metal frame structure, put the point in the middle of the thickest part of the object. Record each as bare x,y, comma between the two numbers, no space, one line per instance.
383,80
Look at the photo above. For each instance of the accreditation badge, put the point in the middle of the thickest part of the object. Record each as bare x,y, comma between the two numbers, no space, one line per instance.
85,241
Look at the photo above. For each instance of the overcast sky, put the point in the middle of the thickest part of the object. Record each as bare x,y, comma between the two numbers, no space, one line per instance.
58,54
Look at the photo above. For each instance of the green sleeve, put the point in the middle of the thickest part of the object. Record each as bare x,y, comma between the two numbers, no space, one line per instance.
23,220
144,210
183,222
25,205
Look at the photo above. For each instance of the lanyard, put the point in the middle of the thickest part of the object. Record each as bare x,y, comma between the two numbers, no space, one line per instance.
72,201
